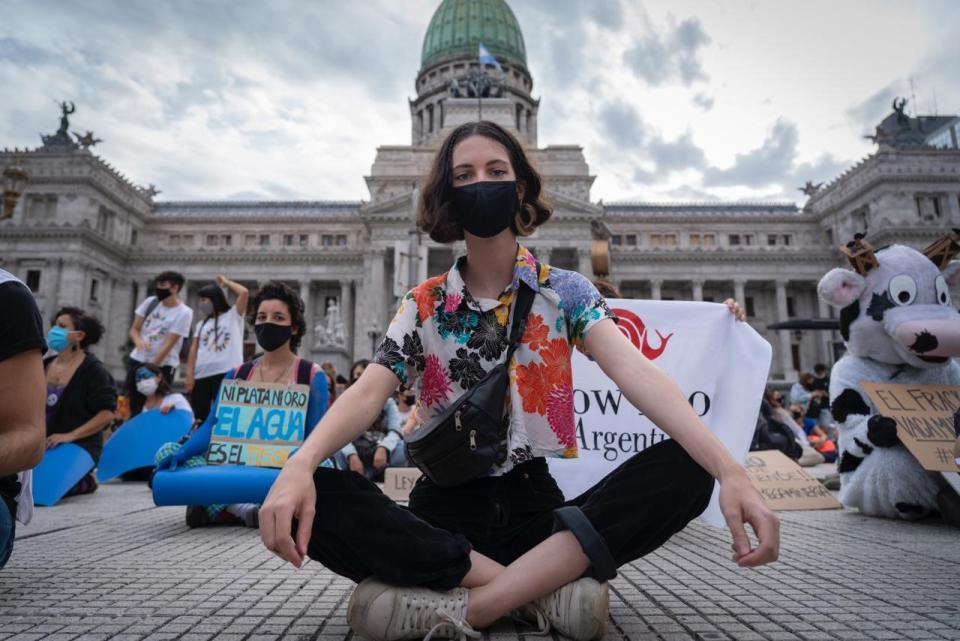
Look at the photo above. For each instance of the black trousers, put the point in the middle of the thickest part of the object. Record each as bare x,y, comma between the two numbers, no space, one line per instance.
358,532
136,398
204,391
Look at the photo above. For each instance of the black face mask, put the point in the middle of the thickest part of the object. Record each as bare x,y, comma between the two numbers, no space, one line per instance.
162,292
270,336
409,400
486,208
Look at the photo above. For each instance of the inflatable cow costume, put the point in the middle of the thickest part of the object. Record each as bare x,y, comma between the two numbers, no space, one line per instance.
899,326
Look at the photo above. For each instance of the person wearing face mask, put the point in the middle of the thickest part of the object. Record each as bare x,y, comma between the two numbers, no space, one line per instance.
157,393
160,324
476,547
279,324
217,345
81,393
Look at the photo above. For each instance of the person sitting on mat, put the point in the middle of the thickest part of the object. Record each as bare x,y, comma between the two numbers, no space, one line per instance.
81,393
279,324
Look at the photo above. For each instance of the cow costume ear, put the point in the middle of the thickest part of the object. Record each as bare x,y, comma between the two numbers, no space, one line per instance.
951,273
840,287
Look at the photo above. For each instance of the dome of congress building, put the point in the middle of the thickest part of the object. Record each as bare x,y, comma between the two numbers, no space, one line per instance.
458,26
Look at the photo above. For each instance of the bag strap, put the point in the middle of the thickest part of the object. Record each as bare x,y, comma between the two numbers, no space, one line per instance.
244,371
304,367
152,306
523,303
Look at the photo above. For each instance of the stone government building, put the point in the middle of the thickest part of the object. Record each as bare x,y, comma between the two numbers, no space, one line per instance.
83,234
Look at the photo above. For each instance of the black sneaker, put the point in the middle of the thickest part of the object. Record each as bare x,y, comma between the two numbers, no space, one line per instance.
197,516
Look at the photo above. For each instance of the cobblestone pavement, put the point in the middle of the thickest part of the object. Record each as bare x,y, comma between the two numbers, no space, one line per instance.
112,566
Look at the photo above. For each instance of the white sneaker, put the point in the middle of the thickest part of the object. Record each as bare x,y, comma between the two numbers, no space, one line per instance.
578,610
381,612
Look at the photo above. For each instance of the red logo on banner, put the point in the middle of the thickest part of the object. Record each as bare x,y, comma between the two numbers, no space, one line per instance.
633,328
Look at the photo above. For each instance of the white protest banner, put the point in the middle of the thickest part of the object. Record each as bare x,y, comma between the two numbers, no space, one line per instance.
720,365
258,424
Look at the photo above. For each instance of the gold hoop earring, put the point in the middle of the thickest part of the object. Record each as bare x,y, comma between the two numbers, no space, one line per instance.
525,220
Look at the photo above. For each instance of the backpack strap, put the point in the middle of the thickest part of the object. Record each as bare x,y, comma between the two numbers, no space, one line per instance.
304,369
523,303
244,371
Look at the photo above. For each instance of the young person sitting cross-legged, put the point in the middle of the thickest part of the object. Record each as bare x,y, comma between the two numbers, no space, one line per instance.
461,557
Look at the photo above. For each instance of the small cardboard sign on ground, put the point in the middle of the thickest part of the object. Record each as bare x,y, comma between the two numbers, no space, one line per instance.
784,485
924,416
398,481
258,424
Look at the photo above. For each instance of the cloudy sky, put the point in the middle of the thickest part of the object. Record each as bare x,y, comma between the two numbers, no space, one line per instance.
672,100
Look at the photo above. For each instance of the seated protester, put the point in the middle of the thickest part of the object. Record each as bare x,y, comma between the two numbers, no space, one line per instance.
777,412
21,405
341,384
815,434
81,393
217,345
160,324
279,325
381,445
153,385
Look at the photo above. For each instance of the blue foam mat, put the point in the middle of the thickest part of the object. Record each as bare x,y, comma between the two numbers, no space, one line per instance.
58,471
212,484
136,443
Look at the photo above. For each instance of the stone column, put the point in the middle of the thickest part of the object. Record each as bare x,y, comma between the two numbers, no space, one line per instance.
306,293
347,315
106,311
584,263
71,284
826,338
739,285
785,362
655,286
371,301
697,289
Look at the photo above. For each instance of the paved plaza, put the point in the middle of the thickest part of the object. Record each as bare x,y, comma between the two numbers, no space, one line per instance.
113,566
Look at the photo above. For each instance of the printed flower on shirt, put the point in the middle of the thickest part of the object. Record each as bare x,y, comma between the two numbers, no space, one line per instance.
435,383
560,415
459,325
388,354
533,383
426,295
556,360
465,369
490,338
535,335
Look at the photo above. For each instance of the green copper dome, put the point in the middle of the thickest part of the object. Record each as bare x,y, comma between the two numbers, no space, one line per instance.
458,26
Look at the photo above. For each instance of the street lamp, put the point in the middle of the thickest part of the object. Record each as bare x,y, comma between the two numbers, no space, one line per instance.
14,178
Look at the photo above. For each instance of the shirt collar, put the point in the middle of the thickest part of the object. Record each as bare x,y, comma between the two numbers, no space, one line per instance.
524,270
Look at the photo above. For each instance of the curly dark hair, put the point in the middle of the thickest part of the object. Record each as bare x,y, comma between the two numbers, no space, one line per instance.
435,215
275,290
174,278
89,324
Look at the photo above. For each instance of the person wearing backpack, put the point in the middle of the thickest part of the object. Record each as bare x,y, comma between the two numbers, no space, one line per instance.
217,345
279,324
160,325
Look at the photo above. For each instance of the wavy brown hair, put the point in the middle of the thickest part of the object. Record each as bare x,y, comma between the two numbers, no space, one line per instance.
436,216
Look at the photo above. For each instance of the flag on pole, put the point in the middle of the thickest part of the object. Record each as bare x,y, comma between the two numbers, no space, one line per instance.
486,58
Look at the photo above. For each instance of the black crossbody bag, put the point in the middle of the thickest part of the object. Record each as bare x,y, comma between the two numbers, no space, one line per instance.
468,438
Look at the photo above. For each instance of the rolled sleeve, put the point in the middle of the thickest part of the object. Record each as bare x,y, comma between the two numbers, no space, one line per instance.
401,350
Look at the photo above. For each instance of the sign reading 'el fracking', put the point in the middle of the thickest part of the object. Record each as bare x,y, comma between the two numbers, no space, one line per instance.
924,416
719,364
258,424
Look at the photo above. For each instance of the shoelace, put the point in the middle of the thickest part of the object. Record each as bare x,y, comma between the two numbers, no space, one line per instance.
542,624
460,627
553,606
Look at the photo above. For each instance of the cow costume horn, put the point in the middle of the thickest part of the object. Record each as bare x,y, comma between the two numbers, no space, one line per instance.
860,254
944,249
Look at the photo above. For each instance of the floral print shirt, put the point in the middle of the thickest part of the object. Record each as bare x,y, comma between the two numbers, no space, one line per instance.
444,341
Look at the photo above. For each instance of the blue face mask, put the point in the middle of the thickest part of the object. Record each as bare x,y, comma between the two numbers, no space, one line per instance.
57,338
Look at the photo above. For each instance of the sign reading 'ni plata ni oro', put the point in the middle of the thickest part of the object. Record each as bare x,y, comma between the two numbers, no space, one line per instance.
258,424
924,416
784,485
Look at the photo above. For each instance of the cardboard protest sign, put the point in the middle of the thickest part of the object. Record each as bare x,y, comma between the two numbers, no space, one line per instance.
398,481
258,424
720,365
924,416
784,485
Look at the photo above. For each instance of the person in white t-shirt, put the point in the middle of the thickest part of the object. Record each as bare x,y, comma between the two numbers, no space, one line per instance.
160,324
217,345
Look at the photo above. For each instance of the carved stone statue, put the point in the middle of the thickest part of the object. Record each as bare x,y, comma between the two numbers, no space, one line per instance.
87,140
899,106
330,333
454,88
810,188
62,137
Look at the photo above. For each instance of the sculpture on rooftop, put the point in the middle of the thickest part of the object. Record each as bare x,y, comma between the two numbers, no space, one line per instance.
87,140
810,188
62,137
899,107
